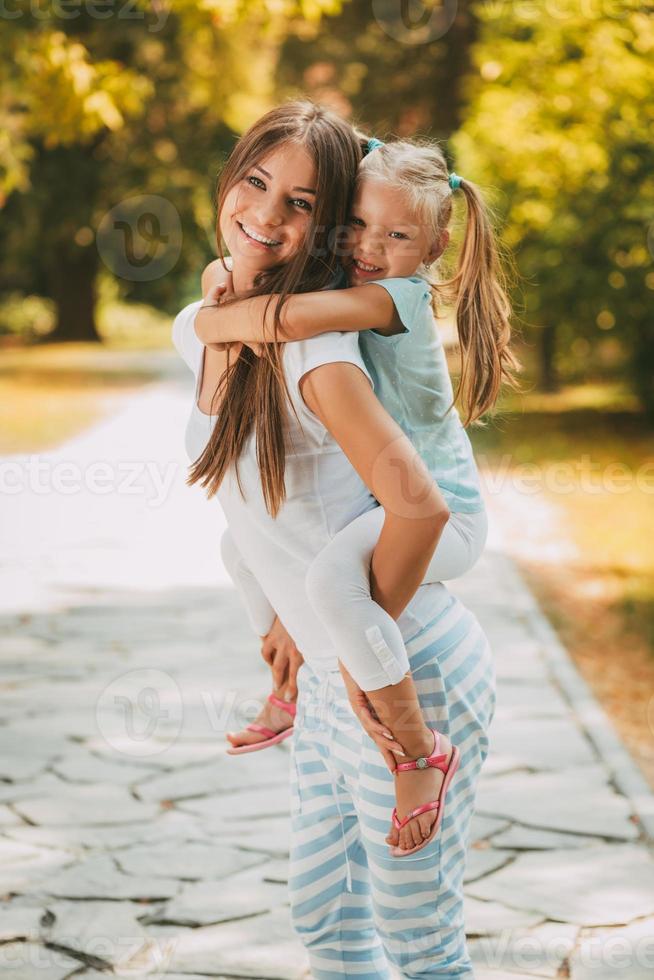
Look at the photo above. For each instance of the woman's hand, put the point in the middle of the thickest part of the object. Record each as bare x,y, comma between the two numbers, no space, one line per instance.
370,723
280,653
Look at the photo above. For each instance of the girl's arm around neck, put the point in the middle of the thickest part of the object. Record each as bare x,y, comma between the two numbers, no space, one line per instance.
416,513
215,362
215,274
303,315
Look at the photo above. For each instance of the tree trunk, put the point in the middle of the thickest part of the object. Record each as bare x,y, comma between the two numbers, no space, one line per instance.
642,368
456,66
548,380
72,286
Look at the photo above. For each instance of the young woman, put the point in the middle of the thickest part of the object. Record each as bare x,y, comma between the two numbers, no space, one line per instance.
273,438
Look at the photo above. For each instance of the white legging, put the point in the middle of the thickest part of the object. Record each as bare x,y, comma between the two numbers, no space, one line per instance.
367,638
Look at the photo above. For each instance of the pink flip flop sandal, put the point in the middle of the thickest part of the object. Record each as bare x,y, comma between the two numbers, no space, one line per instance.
272,738
436,762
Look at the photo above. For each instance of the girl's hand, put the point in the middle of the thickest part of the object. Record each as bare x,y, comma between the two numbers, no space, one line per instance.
280,653
383,739
216,294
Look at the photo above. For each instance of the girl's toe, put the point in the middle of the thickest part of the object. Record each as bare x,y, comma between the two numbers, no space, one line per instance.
393,837
426,823
244,738
416,834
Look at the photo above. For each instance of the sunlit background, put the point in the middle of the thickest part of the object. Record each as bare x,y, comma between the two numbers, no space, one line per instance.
114,121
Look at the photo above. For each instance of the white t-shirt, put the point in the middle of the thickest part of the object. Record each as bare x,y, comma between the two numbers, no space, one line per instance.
323,494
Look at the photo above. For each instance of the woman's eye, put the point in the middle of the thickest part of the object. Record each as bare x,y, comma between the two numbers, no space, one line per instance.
355,221
256,181
399,234
304,205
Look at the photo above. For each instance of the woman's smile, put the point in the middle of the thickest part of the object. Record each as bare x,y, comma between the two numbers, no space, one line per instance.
256,238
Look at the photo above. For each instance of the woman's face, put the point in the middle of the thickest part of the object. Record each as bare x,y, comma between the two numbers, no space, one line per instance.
266,214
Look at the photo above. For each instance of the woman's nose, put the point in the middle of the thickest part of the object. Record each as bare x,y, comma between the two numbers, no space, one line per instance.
269,212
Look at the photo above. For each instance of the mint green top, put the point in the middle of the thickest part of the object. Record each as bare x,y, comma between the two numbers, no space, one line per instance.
412,381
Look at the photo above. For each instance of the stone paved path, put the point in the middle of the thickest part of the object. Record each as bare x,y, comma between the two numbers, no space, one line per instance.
131,845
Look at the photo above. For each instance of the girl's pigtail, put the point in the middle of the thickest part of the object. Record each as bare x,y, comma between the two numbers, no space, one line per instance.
363,140
483,312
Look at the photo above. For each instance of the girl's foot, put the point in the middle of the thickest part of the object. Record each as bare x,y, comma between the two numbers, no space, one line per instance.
413,788
271,716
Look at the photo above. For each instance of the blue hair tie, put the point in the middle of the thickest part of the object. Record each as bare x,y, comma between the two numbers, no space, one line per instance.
373,144
454,181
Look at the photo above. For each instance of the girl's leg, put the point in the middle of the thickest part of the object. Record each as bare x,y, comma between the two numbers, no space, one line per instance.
399,709
259,611
459,548
329,886
371,649
418,899
261,616
367,638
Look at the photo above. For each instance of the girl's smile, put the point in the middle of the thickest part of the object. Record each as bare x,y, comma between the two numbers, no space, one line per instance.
386,237
364,270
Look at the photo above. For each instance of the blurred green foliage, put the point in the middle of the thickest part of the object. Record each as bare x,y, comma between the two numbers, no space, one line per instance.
547,105
102,105
560,122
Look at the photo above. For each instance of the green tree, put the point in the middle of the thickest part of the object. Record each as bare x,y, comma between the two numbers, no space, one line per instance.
560,122
96,110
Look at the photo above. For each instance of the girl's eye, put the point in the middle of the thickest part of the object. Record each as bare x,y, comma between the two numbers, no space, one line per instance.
304,205
355,221
256,181
400,234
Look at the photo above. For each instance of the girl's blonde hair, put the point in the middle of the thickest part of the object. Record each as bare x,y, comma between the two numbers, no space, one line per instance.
254,391
482,307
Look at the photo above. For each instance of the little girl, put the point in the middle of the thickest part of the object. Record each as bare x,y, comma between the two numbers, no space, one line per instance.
398,229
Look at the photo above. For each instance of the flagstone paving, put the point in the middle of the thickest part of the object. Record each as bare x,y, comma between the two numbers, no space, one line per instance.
132,845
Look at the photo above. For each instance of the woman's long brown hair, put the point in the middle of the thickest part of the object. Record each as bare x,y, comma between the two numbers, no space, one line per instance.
253,389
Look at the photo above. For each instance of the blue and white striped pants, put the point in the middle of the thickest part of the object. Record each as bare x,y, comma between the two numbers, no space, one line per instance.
354,906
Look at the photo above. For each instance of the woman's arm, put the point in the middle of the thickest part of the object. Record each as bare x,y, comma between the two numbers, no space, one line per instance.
416,512
303,315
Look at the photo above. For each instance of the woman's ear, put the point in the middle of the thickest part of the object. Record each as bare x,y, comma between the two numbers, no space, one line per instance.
438,247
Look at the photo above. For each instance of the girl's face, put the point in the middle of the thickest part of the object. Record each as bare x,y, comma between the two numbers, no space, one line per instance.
386,238
266,214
